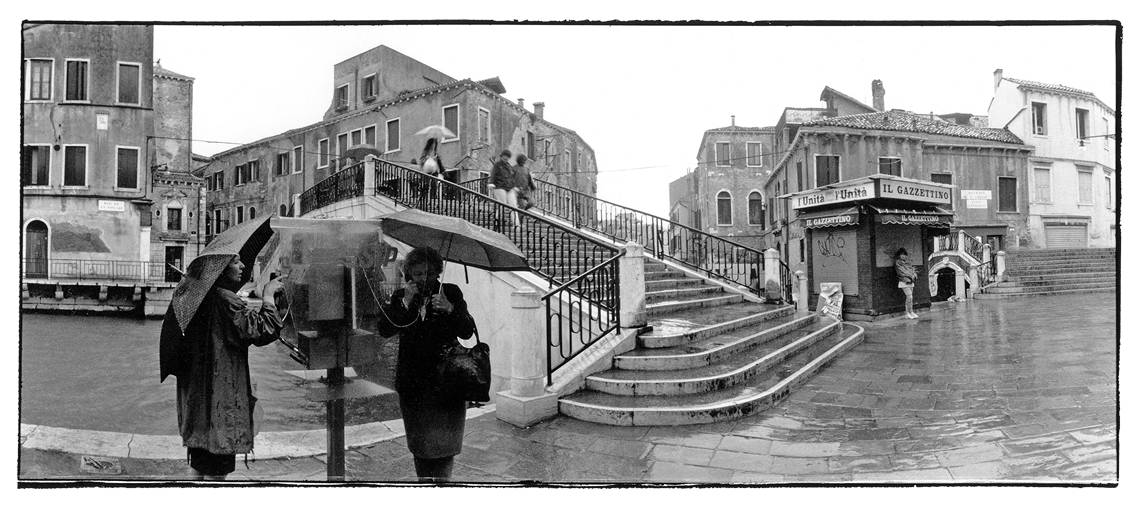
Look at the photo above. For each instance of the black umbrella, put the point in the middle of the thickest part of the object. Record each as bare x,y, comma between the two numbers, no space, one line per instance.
456,240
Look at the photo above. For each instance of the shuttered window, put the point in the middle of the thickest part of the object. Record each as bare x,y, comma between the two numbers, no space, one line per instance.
826,170
1007,194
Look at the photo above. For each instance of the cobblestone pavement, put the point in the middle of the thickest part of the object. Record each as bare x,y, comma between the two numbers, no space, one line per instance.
1010,391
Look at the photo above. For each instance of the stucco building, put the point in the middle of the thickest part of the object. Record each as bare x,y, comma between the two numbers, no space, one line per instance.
380,99
1072,176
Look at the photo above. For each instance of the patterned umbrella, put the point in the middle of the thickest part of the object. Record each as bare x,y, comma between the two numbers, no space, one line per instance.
457,240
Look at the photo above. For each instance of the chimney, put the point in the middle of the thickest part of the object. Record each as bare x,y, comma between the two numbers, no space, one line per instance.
997,78
733,120
522,104
877,93
538,107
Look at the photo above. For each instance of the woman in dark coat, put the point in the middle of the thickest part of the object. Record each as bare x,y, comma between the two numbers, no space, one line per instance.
215,399
429,316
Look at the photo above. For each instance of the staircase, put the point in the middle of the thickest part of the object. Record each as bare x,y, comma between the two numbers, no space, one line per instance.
1056,272
711,356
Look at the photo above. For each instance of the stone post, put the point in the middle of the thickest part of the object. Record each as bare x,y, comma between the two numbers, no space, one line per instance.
1000,263
802,291
297,205
631,286
961,241
960,284
772,274
370,167
527,401
986,255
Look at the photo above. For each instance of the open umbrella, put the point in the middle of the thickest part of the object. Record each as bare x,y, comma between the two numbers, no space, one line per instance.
244,240
456,240
360,151
436,131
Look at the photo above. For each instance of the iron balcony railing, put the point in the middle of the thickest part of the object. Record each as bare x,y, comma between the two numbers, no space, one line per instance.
579,268
573,324
340,185
98,270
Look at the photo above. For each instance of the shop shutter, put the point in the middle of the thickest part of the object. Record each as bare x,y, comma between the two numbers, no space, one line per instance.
1066,236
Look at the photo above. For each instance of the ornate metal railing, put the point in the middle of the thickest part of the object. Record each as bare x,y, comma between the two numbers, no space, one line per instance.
573,324
971,245
96,270
340,185
987,273
715,256
786,281
479,185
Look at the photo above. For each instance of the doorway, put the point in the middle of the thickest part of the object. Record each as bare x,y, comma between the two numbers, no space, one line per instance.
36,250
174,264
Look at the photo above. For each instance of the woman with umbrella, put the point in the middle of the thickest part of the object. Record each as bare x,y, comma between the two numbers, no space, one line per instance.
205,340
430,317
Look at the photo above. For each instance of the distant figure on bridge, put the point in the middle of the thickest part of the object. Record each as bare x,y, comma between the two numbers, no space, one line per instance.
503,183
524,185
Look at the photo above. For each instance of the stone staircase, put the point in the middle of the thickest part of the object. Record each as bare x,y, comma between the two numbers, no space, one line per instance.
712,355
1056,272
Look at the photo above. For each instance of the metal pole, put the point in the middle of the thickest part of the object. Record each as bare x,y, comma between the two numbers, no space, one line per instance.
334,425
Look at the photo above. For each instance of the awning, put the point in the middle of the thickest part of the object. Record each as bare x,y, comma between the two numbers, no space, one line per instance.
841,217
932,217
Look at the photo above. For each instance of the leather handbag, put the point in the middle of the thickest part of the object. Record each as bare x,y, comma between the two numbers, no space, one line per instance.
466,372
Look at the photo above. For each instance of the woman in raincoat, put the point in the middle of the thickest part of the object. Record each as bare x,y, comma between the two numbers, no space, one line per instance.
215,399
906,274
429,316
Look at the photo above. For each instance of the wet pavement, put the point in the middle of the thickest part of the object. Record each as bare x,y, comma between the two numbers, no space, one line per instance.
990,391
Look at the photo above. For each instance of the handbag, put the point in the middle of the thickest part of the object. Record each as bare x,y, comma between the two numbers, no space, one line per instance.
466,372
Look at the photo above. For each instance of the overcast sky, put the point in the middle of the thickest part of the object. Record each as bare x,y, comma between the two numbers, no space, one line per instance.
641,96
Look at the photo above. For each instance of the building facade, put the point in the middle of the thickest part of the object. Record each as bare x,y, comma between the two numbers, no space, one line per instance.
381,98
174,231
88,115
1072,174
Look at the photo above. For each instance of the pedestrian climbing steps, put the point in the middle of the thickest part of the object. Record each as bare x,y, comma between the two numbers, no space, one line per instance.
1056,272
712,355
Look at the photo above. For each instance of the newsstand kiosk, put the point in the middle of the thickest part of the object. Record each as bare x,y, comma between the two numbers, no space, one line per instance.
852,230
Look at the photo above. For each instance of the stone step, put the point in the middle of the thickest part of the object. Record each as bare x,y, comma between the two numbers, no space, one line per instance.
1061,252
660,275
670,283
681,293
1062,262
737,366
748,397
1020,271
988,295
1003,288
662,308
683,327
1075,280
1034,277
714,348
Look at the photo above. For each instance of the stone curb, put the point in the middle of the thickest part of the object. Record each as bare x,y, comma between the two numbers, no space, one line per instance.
267,445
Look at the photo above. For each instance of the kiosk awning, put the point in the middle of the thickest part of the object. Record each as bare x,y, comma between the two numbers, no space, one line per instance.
933,217
831,218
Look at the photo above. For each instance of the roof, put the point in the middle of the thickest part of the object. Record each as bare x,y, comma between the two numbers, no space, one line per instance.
796,115
160,71
741,129
829,89
1057,88
901,121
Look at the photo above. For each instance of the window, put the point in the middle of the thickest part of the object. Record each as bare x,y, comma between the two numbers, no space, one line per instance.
484,127
566,161
237,174
218,221
546,150
578,165
393,138
75,165
220,180
724,208
1007,194
945,179
39,79
209,224
1107,140
173,219
76,77
129,83
282,210
340,98
530,145
826,170
127,175
240,214
801,250
341,149
1082,125
1039,126
755,208
35,165
799,176
755,152
322,153
283,164
890,165
357,137
370,135
1042,184
1108,192
368,88
451,120
722,154
254,170
252,212
1084,185
298,158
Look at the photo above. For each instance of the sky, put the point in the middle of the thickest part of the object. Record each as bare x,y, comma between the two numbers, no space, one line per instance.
641,96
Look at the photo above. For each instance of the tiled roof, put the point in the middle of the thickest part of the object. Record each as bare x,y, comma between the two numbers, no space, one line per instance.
802,115
159,71
735,128
1051,87
901,121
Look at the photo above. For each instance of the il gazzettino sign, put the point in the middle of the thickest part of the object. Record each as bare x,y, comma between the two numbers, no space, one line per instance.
872,188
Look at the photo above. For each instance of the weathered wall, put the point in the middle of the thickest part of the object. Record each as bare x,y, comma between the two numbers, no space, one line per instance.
79,230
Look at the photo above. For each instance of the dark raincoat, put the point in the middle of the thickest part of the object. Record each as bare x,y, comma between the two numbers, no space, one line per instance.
433,419
215,401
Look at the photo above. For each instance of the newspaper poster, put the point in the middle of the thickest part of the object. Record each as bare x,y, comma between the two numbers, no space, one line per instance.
830,300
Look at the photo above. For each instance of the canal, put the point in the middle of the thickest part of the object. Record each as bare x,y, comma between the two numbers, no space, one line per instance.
101,373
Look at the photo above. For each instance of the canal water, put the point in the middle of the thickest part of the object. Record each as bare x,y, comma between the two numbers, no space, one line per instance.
101,373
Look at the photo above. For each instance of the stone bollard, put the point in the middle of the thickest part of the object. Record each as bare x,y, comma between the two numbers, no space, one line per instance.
772,274
802,291
1000,263
527,401
296,204
370,167
986,256
631,287
960,284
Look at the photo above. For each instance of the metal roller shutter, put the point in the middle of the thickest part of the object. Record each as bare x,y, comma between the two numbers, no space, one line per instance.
1066,236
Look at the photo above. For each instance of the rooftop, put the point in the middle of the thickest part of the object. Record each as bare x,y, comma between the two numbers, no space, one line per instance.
902,121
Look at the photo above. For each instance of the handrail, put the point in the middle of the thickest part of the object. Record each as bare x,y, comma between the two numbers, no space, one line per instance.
97,269
716,256
971,245
987,274
600,317
342,184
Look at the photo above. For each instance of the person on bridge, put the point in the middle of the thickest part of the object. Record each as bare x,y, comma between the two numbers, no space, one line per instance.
524,185
429,316
503,184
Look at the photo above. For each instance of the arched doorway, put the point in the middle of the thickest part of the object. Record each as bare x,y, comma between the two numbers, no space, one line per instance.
36,250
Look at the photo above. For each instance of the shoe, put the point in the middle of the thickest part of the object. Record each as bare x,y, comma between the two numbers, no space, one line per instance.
912,315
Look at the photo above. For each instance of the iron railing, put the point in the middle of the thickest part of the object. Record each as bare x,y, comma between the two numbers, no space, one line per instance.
340,185
573,324
581,271
987,273
786,281
96,270
717,257
479,185
971,245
